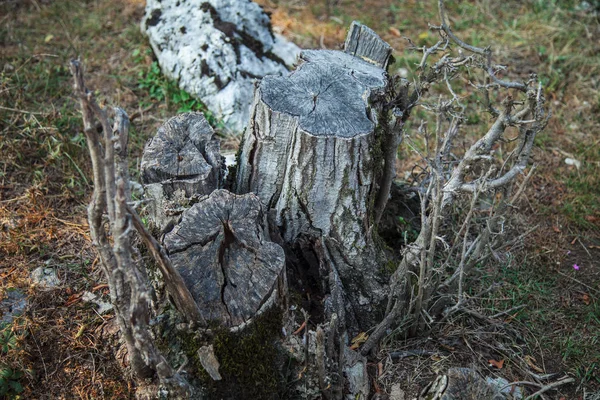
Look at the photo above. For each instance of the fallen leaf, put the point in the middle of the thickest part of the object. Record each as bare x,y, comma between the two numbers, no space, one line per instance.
80,331
497,364
424,35
591,218
586,299
358,340
449,348
302,372
531,362
48,38
395,32
297,331
74,298
556,229
101,286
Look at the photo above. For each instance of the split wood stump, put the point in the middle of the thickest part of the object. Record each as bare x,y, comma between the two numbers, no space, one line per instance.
226,260
181,162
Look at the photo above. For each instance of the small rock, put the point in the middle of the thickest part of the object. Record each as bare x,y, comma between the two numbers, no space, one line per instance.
45,277
573,162
103,306
13,305
397,393
504,386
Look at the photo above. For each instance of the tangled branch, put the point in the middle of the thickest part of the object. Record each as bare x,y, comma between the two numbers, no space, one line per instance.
477,175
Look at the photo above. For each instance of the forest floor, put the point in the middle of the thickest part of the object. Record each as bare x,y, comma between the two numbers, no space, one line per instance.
55,349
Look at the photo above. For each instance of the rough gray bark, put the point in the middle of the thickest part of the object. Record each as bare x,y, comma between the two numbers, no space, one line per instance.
215,49
311,154
181,162
223,253
129,287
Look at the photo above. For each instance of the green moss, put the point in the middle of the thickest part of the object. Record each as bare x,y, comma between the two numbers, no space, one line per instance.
389,267
250,361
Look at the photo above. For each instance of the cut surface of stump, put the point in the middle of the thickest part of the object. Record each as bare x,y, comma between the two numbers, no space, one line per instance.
181,161
215,49
225,258
311,154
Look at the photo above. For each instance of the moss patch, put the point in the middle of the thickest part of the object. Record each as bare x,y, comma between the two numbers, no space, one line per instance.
251,361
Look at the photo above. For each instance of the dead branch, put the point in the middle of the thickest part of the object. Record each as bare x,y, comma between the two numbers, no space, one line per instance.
128,286
474,175
550,386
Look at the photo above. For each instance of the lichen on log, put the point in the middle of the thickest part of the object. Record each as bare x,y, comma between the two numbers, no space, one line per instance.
215,49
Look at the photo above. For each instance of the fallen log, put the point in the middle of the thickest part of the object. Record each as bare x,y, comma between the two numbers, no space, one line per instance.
215,49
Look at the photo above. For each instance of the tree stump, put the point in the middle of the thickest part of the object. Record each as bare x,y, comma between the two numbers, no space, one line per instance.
225,258
180,162
312,154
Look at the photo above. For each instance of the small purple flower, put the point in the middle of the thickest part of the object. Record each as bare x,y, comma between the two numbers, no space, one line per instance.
568,252
576,267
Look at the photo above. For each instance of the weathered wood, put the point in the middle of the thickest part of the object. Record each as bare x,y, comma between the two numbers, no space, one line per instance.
223,253
209,361
311,154
180,162
215,49
363,42
460,383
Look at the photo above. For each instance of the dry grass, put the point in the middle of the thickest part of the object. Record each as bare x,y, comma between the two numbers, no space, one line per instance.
64,347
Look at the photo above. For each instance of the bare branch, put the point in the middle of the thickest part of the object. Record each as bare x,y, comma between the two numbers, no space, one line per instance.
486,53
173,281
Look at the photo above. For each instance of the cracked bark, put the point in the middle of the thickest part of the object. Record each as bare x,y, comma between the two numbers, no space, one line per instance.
180,162
223,253
312,154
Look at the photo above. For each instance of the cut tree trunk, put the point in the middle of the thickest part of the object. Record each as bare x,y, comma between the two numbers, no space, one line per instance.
223,254
314,159
180,163
313,154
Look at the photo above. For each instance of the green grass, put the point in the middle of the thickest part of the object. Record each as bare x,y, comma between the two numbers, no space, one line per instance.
161,89
553,315
11,373
43,146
